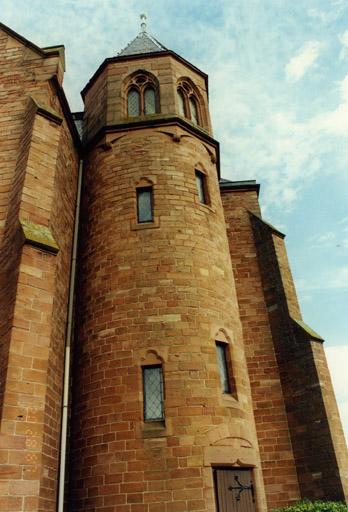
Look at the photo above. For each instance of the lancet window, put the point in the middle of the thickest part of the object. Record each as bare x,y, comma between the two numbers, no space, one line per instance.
153,393
225,364
221,353
188,102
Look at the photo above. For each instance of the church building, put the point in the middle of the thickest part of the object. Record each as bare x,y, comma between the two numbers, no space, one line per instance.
153,356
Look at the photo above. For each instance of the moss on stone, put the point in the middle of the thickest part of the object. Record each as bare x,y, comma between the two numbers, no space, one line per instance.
47,112
38,235
308,329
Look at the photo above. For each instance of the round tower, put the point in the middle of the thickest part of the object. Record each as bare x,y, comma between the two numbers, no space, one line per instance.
162,415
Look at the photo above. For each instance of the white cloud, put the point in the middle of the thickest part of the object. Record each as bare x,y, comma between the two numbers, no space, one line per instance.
336,121
338,278
337,357
317,14
321,241
336,237
344,41
261,126
333,279
303,61
344,220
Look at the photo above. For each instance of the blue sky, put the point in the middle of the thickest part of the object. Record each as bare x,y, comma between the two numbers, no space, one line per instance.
278,74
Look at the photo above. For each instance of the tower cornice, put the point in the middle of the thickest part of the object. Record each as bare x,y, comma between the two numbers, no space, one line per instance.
157,123
123,58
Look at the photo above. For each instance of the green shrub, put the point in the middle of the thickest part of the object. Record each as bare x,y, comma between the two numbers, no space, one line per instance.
315,506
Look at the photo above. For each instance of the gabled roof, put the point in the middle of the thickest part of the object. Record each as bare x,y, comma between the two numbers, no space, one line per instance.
43,52
143,43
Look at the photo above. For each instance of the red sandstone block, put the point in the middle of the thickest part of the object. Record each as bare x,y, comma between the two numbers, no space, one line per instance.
9,472
4,456
193,483
113,478
133,487
134,476
188,494
156,507
10,503
161,496
135,498
196,505
176,506
156,485
24,487
114,499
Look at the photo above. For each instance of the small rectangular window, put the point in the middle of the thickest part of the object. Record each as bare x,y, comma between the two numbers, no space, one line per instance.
221,352
153,393
201,187
145,204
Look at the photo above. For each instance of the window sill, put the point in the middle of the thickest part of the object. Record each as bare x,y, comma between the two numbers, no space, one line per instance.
204,206
145,225
230,400
154,429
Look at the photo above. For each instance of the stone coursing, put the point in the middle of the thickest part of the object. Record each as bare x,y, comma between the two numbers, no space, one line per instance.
159,293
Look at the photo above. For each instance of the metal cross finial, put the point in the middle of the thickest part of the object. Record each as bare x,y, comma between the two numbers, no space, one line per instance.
143,22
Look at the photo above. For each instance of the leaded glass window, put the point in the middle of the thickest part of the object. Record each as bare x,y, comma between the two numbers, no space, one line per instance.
200,182
221,349
181,101
150,101
145,204
193,110
153,393
133,103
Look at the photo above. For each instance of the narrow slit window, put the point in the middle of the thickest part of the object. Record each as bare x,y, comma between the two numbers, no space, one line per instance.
221,352
150,101
133,103
201,187
145,204
153,393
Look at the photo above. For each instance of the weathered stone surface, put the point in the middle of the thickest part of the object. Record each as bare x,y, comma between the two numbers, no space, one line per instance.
157,293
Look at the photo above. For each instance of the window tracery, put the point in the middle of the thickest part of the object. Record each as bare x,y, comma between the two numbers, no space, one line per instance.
142,95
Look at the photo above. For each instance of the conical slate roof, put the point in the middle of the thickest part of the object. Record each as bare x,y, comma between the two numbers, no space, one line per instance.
143,43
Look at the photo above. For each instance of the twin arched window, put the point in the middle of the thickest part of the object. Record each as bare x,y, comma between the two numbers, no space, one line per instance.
142,96
188,102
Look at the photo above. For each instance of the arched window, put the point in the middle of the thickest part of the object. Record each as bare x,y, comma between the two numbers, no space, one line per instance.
188,104
142,95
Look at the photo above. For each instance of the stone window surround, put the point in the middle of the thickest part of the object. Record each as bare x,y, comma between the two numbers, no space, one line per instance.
189,92
139,81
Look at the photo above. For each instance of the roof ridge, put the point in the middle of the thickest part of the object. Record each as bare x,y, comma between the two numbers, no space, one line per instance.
155,40
136,47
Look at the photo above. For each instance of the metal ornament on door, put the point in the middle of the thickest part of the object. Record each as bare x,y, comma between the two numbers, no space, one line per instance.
240,488
234,489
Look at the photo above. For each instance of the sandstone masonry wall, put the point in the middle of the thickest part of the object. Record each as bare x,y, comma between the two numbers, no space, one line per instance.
161,292
38,173
277,457
316,432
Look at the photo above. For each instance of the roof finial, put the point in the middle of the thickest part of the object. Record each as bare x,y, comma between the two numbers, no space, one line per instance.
143,22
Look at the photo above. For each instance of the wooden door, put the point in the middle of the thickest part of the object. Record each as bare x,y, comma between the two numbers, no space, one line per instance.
234,490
